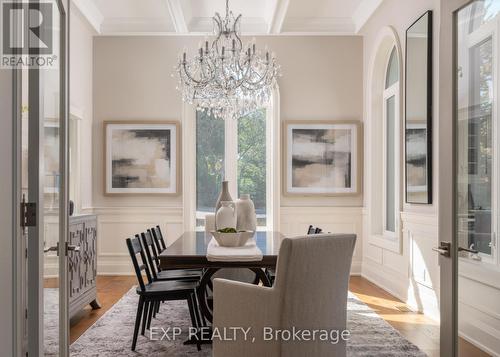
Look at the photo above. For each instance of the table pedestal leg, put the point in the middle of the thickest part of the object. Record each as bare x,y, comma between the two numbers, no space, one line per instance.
206,281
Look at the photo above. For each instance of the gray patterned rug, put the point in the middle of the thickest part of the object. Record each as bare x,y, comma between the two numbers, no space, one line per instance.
111,335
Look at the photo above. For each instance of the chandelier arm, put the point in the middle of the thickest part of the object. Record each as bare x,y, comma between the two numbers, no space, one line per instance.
238,38
260,78
218,21
190,77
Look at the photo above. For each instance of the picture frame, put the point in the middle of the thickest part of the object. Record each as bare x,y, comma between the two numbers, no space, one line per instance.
322,157
142,157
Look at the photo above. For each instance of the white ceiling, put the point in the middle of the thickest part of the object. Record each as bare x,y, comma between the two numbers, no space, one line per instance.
260,17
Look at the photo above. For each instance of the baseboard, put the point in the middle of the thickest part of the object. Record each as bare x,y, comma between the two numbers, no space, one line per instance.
356,268
114,265
479,345
400,287
381,281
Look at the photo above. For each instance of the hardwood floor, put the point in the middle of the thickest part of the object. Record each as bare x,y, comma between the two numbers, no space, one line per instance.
110,289
416,327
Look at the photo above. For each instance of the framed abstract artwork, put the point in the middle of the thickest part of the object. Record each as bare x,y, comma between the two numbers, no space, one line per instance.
142,157
322,157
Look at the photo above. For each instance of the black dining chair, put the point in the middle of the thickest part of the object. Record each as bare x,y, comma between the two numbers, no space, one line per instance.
153,293
154,263
158,239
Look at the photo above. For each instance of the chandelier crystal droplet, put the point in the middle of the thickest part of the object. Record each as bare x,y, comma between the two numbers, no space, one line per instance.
225,78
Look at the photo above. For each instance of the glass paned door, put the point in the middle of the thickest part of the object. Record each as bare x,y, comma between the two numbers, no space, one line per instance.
42,111
477,176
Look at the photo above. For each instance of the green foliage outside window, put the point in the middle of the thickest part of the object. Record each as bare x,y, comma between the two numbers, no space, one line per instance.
210,141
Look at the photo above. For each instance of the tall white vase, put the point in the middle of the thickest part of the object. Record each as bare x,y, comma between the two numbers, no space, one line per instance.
247,219
226,215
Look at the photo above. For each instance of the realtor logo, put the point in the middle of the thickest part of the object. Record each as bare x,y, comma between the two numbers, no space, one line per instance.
27,34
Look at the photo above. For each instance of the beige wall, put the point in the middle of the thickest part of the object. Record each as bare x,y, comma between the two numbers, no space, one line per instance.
81,99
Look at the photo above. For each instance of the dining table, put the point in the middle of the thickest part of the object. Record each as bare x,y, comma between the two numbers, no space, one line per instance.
189,251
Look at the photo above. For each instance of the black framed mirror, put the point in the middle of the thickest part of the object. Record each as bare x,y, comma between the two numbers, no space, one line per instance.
418,111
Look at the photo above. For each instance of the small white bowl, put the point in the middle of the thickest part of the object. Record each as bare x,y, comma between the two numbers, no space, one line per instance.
238,239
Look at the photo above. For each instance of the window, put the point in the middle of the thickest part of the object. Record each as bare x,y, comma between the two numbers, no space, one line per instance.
234,150
477,129
391,146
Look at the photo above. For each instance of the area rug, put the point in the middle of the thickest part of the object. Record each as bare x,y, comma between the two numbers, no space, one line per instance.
111,335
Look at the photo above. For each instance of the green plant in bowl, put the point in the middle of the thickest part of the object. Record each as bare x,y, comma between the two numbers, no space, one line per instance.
227,230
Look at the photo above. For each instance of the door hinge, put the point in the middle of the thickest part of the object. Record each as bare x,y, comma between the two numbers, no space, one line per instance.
28,213
26,314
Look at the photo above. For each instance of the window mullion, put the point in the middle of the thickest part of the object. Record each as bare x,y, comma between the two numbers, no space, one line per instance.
231,156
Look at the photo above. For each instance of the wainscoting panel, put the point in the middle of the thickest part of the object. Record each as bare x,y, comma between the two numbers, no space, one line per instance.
413,275
478,308
117,224
295,221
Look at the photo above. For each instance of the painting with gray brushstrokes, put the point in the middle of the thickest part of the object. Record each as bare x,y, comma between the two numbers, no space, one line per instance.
141,159
321,158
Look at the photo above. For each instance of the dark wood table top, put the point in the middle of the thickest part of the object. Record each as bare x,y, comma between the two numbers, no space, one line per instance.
190,251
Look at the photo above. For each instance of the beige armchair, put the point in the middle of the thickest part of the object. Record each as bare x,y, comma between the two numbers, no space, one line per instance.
310,293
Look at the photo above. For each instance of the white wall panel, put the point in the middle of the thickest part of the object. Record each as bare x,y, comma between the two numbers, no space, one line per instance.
296,220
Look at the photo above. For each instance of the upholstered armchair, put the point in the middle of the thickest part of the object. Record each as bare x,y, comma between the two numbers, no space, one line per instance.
310,293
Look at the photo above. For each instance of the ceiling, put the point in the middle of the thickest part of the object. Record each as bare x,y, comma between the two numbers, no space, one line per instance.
260,17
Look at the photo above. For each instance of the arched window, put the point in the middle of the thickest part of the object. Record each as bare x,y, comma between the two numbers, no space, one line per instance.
391,130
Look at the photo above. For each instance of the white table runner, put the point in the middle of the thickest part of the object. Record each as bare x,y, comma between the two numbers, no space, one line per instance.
248,253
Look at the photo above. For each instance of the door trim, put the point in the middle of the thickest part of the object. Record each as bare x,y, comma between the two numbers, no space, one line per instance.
64,189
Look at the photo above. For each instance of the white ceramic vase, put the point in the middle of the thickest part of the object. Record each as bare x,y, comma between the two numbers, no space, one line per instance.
226,215
245,209
223,195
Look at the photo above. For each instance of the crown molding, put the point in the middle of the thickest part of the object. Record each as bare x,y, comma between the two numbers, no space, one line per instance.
91,13
325,25
277,17
177,14
363,12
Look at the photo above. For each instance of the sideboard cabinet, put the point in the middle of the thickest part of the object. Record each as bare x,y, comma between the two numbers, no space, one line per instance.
82,263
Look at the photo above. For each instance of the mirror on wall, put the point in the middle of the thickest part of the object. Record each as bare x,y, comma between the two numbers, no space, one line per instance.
418,118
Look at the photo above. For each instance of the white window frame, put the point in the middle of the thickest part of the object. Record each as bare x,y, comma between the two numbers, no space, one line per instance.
273,162
231,160
490,29
392,91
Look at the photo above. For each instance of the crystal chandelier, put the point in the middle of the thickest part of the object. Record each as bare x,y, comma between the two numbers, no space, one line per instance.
227,79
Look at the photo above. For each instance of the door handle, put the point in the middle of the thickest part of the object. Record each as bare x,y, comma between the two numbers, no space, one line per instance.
51,249
74,248
473,251
443,249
